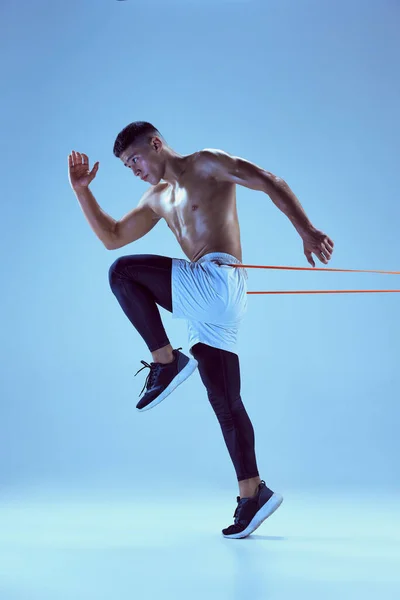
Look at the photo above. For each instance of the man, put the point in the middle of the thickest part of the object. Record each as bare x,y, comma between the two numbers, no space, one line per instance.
196,195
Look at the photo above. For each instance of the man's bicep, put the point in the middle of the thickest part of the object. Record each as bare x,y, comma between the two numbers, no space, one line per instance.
136,223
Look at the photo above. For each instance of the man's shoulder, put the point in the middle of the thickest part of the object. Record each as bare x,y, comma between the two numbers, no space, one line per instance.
208,154
151,197
154,190
204,161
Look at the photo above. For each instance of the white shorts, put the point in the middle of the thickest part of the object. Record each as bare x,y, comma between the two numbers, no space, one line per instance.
212,297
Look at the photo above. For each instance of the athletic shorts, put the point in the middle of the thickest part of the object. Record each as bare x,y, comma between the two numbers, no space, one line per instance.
212,297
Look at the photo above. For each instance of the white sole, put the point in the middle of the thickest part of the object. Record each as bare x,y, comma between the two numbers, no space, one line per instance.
265,511
180,378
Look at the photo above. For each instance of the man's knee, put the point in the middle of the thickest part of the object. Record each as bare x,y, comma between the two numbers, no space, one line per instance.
115,272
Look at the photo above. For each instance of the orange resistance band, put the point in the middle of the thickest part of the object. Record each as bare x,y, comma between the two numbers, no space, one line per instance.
321,269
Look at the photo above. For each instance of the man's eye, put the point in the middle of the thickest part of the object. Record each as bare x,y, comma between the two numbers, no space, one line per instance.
133,160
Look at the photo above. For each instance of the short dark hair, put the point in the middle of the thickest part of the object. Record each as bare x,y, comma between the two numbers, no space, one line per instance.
136,132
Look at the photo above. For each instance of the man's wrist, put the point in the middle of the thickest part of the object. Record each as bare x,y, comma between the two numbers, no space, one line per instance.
79,189
304,229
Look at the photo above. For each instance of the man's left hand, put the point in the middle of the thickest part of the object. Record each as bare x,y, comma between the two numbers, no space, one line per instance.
318,243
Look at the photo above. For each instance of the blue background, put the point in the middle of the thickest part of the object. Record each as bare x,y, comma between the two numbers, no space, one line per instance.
309,91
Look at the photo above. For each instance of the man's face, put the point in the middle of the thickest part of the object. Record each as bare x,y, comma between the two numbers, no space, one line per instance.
144,160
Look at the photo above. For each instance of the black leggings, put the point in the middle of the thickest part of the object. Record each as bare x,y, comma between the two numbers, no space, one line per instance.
140,282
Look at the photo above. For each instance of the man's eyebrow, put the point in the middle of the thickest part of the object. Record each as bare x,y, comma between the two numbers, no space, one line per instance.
129,158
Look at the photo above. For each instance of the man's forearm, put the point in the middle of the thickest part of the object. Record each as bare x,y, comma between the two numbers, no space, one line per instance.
283,197
102,224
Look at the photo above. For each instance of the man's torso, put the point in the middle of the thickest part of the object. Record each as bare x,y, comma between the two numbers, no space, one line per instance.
200,211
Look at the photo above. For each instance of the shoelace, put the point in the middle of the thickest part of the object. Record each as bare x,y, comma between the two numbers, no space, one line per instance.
241,503
236,514
155,368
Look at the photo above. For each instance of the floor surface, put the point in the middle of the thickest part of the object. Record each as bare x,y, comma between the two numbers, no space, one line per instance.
73,546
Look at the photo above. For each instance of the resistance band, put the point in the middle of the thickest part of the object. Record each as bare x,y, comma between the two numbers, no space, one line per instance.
321,269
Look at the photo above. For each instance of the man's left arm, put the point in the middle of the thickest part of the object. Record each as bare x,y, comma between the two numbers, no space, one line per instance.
225,167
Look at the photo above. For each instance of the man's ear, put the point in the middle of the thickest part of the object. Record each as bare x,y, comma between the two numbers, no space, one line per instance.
157,144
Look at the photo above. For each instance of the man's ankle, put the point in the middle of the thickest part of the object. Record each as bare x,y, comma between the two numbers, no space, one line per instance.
164,355
248,488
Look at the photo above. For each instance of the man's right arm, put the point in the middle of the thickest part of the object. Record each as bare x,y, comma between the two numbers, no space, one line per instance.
115,234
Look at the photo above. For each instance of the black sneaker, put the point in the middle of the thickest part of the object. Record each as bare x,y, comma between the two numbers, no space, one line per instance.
164,379
251,512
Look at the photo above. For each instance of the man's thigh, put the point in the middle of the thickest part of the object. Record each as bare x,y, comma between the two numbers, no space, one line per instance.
208,293
149,270
217,336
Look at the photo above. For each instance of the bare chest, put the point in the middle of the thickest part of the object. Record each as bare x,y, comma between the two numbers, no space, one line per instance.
197,208
180,206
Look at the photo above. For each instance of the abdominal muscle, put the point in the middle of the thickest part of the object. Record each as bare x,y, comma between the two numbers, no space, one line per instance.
194,249
203,218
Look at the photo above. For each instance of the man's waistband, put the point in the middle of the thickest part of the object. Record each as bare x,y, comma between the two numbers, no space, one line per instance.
224,259
220,256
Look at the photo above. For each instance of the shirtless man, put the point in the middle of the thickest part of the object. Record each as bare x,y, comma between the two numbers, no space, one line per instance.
196,195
